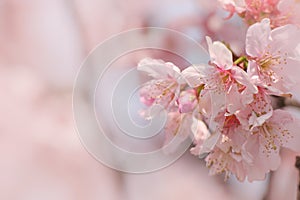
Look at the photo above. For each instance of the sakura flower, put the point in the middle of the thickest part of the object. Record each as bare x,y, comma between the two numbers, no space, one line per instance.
280,12
265,142
225,88
273,57
253,154
248,141
201,134
176,130
180,126
187,101
233,6
228,156
250,9
165,86
288,13
257,112
225,127
220,162
220,79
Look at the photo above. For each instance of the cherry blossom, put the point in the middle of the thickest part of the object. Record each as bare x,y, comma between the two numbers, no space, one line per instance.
265,142
229,156
176,130
226,105
272,56
280,12
165,87
222,80
200,135
257,112
289,13
187,101
254,153
180,126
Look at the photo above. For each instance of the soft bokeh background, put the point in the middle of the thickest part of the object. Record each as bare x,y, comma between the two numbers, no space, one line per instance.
43,43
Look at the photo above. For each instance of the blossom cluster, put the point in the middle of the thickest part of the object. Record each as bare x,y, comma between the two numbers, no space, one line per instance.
225,105
280,12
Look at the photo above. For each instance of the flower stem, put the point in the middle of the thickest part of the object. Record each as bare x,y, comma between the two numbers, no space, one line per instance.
240,59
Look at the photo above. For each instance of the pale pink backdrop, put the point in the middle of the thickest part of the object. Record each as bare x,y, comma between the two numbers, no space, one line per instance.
43,43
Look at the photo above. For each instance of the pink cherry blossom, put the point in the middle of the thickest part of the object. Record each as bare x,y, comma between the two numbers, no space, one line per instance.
273,57
176,130
180,126
165,87
221,162
200,134
265,142
187,101
174,126
252,154
251,10
228,156
222,80
234,146
233,6
280,12
251,150
289,13
257,112
226,105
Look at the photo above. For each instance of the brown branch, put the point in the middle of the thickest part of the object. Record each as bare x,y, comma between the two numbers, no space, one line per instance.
297,165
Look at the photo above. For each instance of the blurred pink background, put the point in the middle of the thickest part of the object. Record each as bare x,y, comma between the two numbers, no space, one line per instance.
43,43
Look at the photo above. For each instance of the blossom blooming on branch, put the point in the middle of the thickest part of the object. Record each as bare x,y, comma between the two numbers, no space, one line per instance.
280,12
225,104
273,56
164,89
187,101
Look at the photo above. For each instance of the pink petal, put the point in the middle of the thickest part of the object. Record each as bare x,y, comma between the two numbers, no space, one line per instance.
258,38
201,133
233,103
285,38
197,75
210,143
158,68
242,77
290,123
219,54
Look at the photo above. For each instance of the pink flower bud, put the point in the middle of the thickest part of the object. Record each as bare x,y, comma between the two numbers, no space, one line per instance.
187,101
